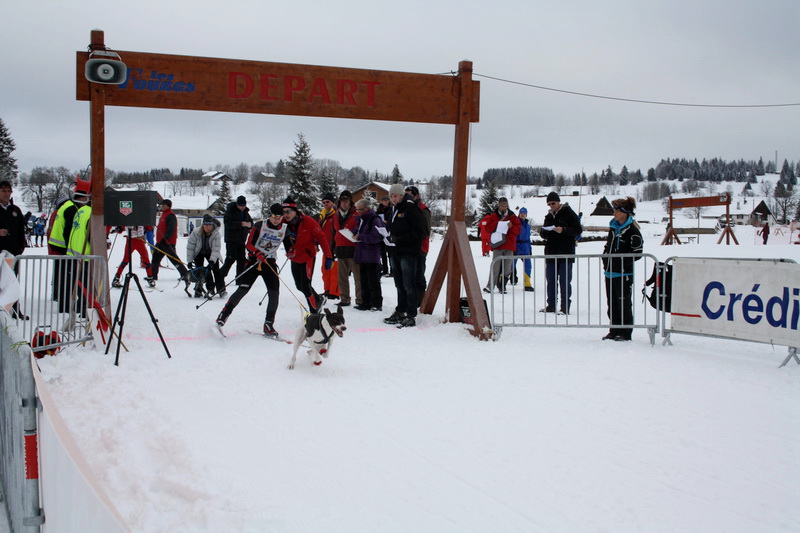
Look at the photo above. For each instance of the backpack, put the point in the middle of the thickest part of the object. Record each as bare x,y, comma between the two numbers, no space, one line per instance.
662,283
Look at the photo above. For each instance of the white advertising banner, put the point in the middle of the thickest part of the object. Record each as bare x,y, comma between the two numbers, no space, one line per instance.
741,299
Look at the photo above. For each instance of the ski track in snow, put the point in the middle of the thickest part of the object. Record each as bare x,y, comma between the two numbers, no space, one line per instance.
428,429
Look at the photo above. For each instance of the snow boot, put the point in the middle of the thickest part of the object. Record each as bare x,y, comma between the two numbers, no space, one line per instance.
223,316
270,331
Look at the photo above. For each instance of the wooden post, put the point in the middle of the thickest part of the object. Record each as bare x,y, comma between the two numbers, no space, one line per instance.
97,127
455,258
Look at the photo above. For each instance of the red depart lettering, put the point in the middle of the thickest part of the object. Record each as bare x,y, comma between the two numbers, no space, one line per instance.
266,86
319,89
233,84
292,84
345,89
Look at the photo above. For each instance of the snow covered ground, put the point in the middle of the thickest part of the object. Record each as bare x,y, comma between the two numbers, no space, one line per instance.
429,429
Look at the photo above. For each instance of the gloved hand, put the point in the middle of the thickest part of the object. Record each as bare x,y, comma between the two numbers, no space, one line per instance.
290,253
190,265
485,254
391,238
328,263
261,257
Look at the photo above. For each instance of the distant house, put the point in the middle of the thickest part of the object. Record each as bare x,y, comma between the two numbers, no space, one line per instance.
373,189
215,175
762,213
602,208
266,177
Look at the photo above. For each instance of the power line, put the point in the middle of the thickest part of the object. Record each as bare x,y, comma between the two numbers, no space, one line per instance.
634,100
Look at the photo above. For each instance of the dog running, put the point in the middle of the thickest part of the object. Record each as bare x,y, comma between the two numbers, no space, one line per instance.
319,330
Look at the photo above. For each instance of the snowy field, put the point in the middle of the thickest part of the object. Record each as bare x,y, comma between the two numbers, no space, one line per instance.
428,429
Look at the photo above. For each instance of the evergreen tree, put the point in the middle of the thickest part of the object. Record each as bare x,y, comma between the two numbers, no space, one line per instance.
760,167
397,177
8,164
280,172
224,196
488,198
327,184
299,169
624,179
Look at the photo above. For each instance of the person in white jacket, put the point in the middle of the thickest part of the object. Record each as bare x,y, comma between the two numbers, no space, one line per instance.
205,245
9,284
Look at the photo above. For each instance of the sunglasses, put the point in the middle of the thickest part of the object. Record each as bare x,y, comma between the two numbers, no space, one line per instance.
620,208
552,203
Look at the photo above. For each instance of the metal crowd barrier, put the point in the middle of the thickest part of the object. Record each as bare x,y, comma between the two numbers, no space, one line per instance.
588,308
57,293
19,467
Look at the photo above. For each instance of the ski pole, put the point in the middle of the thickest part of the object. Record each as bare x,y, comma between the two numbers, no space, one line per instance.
166,254
231,281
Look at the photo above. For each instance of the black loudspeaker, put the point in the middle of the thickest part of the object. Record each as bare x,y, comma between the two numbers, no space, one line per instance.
130,208
108,71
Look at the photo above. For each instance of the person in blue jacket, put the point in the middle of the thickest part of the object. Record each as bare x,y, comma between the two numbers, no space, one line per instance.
524,248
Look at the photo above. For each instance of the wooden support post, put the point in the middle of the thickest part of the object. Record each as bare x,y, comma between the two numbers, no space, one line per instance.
97,127
455,258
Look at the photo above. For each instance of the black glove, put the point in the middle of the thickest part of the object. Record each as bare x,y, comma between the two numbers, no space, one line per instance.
392,239
190,265
328,263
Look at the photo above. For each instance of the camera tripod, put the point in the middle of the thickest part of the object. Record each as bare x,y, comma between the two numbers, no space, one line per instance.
122,307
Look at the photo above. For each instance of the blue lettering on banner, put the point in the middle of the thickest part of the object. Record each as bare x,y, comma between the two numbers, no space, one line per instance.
779,311
157,81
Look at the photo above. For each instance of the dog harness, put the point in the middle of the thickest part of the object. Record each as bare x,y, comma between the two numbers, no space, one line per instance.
320,333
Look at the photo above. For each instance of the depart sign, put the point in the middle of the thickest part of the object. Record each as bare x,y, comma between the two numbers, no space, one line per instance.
231,85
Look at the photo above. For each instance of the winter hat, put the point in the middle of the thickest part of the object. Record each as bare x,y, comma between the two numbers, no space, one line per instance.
553,197
289,203
345,195
167,203
397,189
208,219
328,196
523,210
413,190
241,201
276,209
385,198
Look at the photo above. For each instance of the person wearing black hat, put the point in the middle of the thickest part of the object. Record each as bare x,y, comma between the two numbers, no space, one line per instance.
303,236
262,248
330,276
166,238
560,229
205,244
238,222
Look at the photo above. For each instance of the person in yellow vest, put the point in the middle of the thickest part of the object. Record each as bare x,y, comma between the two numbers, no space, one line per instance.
58,239
79,244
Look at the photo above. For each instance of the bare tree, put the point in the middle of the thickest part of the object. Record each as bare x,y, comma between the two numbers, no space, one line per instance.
766,188
241,173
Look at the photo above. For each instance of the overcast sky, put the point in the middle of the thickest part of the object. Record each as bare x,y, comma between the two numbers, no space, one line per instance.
720,52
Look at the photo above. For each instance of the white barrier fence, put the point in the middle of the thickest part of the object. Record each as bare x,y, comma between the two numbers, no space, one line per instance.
588,307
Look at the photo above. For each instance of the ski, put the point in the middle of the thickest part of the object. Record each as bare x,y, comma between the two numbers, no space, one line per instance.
279,339
219,330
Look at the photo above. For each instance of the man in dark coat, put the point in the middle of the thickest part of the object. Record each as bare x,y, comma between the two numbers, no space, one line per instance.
406,231
560,229
238,222
12,222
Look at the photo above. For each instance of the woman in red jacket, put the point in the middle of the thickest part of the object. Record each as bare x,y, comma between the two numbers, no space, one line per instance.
303,235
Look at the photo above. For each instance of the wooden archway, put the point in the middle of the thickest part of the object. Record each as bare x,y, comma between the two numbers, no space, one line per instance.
230,85
700,201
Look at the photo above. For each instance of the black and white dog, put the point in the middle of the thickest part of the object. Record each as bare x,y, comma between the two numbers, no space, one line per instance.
319,330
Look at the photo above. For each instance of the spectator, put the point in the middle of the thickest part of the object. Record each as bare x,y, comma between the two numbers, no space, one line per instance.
330,276
13,229
368,255
764,232
406,230
624,237
58,238
524,248
503,227
345,218
560,229
383,210
205,244
422,284
38,230
238,222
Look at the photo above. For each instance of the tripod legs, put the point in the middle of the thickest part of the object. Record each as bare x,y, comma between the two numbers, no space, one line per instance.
119,316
